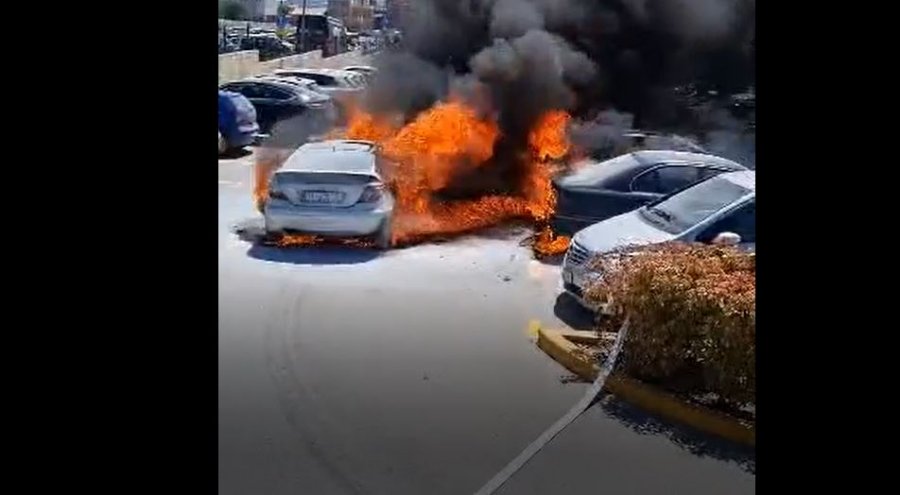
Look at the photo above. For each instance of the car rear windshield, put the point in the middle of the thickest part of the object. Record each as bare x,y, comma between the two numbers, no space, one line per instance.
320,79
598,174
287,178
691,206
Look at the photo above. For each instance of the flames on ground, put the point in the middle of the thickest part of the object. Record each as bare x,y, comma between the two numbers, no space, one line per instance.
447,142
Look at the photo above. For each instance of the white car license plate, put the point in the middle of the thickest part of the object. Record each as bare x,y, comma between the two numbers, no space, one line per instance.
322,197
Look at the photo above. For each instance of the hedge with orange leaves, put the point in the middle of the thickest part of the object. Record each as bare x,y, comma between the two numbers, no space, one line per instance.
692,311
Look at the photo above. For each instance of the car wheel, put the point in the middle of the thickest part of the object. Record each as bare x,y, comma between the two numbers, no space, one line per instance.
223,145
383,238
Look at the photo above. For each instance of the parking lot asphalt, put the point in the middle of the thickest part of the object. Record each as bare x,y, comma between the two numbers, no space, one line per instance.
344,370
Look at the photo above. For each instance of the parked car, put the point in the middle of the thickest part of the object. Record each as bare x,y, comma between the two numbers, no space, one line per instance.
718,210
237,121
637,140
596,190
276,101
343,86
307,84
268,45
331,81
331,188
367,71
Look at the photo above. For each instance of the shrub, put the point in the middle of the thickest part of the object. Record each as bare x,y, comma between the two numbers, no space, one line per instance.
692,311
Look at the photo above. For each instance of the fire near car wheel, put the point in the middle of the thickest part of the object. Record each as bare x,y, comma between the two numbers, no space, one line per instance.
223,146
383,238
268,233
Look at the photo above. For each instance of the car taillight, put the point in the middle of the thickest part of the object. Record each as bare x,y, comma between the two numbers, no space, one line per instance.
372,193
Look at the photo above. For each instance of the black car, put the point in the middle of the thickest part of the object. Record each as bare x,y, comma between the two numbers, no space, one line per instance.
277,102
596,190
268,46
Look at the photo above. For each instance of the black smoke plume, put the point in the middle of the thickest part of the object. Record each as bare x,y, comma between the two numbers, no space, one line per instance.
585,56
613,64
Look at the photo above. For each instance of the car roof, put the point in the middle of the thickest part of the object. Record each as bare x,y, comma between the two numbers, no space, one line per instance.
329,72
744,178
616,171
286,79
337,75
335,155
648,157
264,80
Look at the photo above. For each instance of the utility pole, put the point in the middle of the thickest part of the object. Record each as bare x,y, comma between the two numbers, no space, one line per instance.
303,28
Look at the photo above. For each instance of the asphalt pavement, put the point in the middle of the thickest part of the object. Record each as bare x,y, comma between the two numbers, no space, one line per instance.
345,370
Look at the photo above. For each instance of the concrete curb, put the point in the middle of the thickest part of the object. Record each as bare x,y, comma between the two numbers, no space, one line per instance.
559,345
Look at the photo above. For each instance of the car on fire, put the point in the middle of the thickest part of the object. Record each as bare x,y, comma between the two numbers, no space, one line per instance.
332,188
719,210
597,190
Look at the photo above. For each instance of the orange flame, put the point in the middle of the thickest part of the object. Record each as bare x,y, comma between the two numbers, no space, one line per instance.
547,243
548,138
448,139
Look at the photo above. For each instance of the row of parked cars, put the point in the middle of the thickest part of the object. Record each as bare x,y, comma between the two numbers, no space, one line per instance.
255,105
336,188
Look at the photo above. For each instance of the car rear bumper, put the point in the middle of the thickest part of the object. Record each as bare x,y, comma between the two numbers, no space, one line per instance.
330,221
241,139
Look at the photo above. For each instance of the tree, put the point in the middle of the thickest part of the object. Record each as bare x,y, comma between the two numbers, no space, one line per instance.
284,9
232,10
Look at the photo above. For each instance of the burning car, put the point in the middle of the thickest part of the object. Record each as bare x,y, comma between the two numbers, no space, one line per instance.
596,190
331,188
719,210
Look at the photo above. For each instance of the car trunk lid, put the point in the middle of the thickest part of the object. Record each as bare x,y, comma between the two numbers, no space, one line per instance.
322,189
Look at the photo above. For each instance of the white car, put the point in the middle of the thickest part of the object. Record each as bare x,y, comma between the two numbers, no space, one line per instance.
331,188
367,71
720,210
331,81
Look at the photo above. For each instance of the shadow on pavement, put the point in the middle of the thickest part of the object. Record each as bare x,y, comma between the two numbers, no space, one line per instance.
252,231
313,255
235,153
573,314
688,439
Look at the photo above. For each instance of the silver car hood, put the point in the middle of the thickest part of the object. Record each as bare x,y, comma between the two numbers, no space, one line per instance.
620,231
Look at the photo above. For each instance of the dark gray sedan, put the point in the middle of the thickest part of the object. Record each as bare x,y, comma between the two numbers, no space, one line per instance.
595,191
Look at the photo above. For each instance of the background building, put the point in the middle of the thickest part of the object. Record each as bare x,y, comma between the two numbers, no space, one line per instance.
356,14
261,10
400,13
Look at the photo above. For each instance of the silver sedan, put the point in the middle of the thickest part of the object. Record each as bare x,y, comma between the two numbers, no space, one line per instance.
331,188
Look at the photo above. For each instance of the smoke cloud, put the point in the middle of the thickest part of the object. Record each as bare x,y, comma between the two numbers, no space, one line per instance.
584,56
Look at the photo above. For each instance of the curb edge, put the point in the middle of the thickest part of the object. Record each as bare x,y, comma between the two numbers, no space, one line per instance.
558,346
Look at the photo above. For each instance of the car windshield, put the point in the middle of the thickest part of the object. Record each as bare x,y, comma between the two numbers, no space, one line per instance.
691,206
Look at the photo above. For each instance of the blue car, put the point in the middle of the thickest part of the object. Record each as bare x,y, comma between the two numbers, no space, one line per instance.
237,121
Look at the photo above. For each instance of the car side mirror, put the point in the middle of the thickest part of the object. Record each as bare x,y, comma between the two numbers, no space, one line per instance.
727,239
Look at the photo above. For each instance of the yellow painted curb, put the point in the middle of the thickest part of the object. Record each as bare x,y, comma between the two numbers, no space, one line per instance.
558,345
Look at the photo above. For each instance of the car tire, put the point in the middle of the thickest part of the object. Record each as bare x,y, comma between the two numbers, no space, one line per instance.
223,144
383,237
